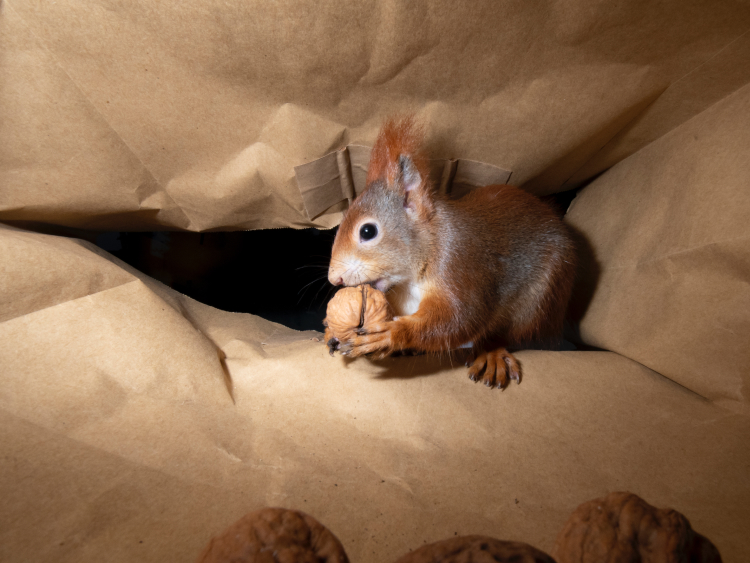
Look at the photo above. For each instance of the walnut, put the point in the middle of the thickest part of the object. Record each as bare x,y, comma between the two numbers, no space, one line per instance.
352,308
476,549
623,528
275,535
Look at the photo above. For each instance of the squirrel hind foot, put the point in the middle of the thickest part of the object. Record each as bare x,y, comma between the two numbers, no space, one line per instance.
496,368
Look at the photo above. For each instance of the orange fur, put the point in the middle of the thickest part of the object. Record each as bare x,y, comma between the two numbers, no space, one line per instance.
494,268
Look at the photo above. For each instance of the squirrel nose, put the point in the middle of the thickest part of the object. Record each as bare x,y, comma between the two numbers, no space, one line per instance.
334,278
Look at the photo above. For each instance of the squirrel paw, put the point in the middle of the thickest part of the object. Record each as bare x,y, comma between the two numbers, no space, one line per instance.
495,368
375,340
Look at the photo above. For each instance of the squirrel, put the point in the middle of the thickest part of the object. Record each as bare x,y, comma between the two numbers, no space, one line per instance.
493,269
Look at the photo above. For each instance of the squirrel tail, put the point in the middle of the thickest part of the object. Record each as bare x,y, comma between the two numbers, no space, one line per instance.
398,136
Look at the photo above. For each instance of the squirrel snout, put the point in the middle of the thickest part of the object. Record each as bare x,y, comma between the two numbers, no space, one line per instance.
335,279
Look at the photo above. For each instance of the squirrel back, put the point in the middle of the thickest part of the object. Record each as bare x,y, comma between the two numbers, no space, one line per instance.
497,264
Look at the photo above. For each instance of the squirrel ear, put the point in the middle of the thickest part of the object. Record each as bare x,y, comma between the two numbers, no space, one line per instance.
410,176
416,192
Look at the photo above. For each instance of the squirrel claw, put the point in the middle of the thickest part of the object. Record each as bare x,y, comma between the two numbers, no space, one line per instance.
513,368
495,369
333,345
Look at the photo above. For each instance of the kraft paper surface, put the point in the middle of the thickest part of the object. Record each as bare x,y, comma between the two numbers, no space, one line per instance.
193,115
137,423
669,230
342,175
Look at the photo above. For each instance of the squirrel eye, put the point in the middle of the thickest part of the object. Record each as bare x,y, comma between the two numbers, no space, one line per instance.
368,231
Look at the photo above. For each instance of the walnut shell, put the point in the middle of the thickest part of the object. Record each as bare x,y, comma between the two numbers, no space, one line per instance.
623,528
476,549
275,535
352,308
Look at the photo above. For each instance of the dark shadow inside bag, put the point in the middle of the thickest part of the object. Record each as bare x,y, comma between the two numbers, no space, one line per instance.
244,271
241,271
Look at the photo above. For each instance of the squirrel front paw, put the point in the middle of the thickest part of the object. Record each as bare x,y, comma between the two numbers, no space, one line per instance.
495,368
375,340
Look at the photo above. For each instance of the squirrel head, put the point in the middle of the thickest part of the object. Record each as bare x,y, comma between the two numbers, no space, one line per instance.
383,237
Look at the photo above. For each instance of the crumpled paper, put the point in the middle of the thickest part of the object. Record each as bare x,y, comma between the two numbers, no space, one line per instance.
193,115
669,255
137,423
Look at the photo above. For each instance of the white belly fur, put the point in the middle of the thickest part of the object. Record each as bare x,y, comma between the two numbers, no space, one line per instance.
405,299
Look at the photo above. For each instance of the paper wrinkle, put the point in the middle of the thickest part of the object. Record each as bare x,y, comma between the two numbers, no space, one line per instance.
8,5
242,350
617,125
230,455
79,163
670,362
276,338
585,134
69,300
221,354
248,182
224,51
730,261
28,288
102,305
332,180
409,26
293,130
230,183
630,132
345,174
302,422
419,482
245,169
668,233
184,315
156,198
56,435
706,62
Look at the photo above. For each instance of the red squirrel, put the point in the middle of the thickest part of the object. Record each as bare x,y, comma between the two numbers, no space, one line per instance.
494,268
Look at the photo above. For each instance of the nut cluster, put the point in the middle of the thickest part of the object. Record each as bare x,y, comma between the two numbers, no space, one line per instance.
618,528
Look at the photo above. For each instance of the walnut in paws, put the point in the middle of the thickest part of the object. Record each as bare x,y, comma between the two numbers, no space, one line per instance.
351,309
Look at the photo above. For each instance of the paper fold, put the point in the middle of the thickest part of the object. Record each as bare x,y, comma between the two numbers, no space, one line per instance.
340,176
201,126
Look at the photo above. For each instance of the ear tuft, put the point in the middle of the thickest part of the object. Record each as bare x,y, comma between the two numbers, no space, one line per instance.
397,160
398,136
